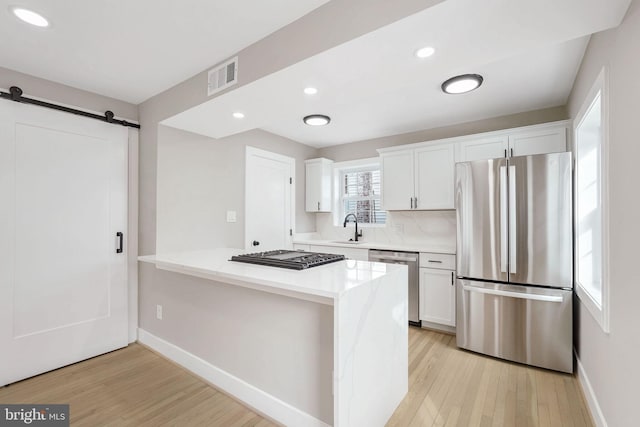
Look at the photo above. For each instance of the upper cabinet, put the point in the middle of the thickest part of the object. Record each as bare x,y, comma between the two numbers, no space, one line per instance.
528,143
318,185
398,189
551,138
418,179
421,176
434,176
485,148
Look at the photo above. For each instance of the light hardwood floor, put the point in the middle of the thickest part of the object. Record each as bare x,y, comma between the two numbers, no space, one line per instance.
452,387
447,387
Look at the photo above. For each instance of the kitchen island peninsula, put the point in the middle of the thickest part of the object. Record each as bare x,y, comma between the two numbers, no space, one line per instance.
327,345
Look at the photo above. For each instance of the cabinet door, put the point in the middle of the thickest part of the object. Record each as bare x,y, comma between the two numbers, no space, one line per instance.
437,296
485,148
434,177
544,141
318,187
397,180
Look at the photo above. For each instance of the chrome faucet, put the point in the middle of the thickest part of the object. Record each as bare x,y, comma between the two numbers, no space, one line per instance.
355,219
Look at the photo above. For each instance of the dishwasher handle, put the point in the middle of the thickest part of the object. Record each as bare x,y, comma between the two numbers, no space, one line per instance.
395,259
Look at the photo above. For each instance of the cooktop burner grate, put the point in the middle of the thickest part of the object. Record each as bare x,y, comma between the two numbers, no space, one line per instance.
295,260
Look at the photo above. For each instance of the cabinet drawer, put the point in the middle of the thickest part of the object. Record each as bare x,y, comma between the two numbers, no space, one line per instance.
440,261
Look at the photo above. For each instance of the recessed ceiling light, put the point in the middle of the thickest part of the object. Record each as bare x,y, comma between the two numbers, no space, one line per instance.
238,115
317,120
310,90
462,84
425,52
29,16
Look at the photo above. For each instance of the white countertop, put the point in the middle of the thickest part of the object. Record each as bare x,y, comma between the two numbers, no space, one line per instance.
382,246
328,281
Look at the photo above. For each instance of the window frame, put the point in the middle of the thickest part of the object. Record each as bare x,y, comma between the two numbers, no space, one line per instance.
339,169
600,312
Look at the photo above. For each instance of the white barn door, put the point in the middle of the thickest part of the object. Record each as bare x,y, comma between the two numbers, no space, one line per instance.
269,200
63,199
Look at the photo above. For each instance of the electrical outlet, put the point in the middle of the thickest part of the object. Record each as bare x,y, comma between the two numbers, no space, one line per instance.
231,216
398,228
159,312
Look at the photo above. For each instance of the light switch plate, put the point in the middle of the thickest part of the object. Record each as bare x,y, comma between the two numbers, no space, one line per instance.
231,216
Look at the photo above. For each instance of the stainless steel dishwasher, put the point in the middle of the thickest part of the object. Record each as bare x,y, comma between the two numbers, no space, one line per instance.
410,259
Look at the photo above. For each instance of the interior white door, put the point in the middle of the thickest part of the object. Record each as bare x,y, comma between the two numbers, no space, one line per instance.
63,286
269,203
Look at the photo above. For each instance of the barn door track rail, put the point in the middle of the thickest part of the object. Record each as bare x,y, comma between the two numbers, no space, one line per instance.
15,94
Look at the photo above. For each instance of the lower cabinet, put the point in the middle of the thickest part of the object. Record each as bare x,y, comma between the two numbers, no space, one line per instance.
438,295
349,253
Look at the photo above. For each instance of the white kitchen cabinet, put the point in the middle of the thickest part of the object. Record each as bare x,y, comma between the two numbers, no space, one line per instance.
484,148
318,185
434,177
419,179
551,140
437,289
515,142
398,188
359,254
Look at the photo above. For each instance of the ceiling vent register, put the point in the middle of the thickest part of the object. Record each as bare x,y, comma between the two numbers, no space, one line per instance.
222,76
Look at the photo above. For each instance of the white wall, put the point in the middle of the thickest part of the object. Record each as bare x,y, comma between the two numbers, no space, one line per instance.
200,178
420,228
62,94
611,360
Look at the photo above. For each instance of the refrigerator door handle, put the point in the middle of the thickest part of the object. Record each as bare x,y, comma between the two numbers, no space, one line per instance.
503,219
513,248
497,292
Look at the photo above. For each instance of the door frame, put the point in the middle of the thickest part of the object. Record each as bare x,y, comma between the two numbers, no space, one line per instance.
133,146
253,151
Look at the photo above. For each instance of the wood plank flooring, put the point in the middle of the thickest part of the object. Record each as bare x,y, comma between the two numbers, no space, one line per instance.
447,387
452,387
133,387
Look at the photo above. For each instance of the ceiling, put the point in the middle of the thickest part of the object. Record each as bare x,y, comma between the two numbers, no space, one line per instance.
132,50
373,86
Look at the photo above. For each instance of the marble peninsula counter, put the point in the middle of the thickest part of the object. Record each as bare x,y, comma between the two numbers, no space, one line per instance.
368,303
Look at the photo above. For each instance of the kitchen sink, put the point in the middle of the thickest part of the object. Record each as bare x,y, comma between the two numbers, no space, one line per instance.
348,242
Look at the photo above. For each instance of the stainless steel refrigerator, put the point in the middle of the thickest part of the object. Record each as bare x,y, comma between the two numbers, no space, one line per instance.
515,259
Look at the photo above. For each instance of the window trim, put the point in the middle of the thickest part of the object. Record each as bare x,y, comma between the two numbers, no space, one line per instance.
338,171
600,85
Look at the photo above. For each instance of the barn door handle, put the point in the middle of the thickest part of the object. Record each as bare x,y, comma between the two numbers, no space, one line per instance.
120,238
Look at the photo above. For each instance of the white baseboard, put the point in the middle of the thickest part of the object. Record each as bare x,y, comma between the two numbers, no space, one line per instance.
592,401
250,395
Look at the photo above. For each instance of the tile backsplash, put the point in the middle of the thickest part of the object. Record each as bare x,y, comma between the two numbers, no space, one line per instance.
437,228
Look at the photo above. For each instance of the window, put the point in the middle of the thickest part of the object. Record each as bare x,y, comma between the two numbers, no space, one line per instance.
360,194
591,224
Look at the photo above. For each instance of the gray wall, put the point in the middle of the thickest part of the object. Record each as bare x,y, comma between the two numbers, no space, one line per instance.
200,178
611,360
366,149
62,94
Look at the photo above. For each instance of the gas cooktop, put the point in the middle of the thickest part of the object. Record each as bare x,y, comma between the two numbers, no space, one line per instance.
295,260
